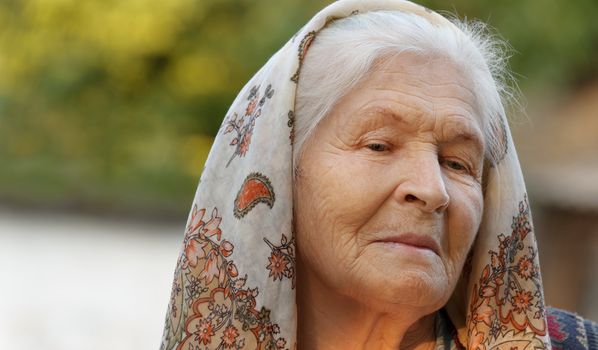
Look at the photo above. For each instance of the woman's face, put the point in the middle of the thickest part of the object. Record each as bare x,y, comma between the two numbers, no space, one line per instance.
388,192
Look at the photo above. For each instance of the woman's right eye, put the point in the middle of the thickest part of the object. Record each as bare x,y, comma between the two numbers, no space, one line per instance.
377,147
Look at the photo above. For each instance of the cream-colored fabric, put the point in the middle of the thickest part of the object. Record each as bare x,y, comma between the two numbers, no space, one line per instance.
234,284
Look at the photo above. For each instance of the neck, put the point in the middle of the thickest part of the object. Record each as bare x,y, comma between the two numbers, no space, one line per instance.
329,320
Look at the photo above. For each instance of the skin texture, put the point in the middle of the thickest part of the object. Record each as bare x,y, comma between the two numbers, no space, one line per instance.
400,154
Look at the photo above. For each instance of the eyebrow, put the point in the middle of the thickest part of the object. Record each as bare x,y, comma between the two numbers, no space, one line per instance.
467,133
382,111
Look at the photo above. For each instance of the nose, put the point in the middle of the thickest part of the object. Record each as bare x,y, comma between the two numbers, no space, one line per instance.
424,185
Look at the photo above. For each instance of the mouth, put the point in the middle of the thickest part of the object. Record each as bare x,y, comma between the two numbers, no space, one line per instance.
415,241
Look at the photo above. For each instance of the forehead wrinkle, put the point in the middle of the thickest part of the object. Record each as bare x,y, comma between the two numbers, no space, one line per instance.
402,116
460,84
423,105
434,106
427,107
449,127
464,86
454,95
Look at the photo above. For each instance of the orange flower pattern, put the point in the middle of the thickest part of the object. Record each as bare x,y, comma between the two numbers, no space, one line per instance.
525,268
282,259
210,305
205,331
229,338
522,301
508,294
243,126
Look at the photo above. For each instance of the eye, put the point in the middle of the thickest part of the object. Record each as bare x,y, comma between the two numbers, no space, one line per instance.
456,165
377,147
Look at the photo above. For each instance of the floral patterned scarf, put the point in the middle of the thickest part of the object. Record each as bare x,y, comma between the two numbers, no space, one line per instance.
234,284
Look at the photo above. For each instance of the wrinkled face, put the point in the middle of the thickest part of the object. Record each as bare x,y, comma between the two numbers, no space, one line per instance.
388,197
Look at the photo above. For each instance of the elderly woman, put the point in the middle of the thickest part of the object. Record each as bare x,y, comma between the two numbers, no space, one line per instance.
364,193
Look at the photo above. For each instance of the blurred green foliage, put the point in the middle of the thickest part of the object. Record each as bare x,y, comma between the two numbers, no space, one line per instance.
114,104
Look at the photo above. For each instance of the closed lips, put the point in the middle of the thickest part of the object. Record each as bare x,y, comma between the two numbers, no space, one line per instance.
418,241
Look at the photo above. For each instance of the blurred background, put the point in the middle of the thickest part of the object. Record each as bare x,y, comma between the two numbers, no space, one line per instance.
108,110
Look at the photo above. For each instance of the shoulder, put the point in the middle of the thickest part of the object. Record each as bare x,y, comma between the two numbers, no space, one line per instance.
569,331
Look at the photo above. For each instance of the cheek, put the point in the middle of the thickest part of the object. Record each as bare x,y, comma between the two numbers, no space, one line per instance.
332,188
464,222
317,215
313,212
330,207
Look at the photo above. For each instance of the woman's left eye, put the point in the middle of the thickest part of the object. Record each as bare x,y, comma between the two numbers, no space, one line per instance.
377,147
455,165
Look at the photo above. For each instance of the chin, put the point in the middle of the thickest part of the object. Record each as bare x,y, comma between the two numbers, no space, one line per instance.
420,290
422,286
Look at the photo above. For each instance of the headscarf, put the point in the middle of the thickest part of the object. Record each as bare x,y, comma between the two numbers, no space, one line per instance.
234,284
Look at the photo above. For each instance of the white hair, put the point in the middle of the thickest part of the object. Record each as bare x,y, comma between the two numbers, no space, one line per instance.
343,53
